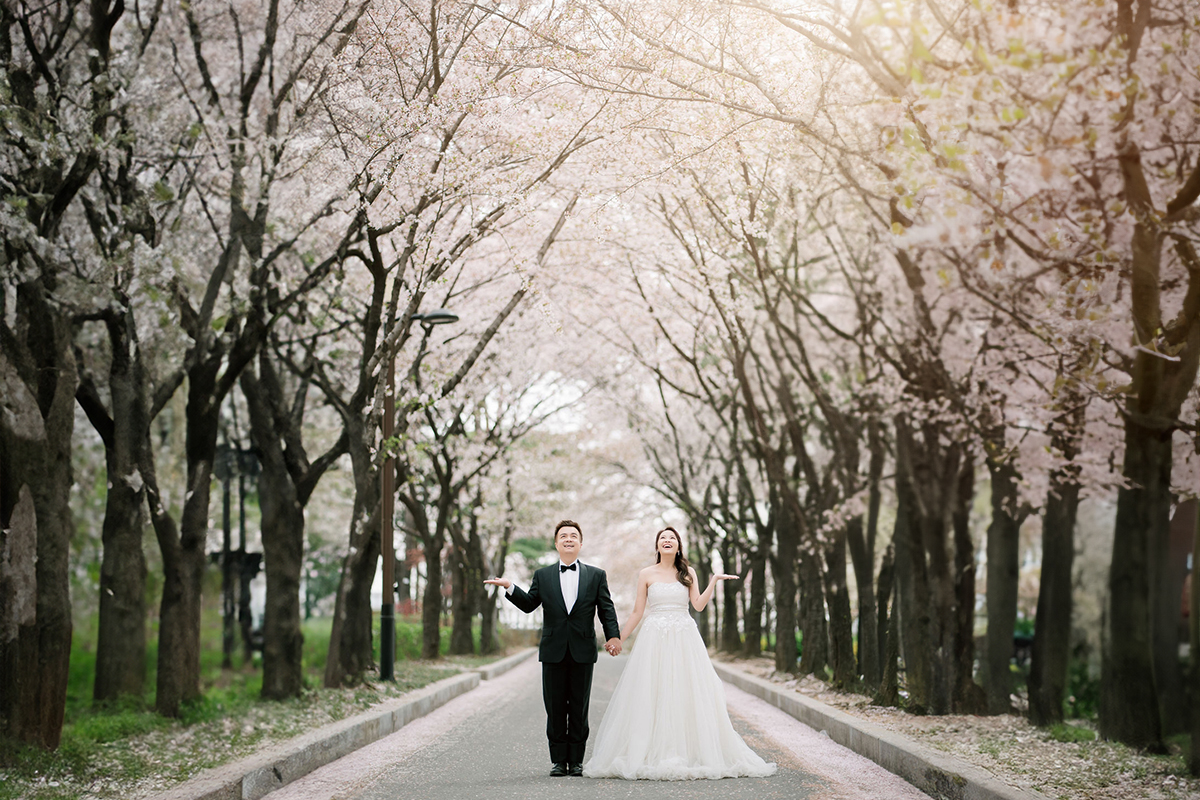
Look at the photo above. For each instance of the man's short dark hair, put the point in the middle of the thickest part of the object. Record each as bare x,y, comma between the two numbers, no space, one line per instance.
568,523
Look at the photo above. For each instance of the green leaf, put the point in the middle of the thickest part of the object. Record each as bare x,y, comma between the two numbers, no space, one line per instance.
920,51
163,193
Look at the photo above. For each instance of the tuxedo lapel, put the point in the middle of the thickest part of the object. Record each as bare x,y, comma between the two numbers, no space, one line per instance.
585,582
584,579
554,588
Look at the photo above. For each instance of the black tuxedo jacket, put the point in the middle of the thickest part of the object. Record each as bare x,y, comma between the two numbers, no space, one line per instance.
574,632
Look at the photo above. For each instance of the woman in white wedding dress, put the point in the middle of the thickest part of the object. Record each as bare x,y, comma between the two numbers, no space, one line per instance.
667,718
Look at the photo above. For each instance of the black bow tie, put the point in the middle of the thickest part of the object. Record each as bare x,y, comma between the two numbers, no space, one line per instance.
564,567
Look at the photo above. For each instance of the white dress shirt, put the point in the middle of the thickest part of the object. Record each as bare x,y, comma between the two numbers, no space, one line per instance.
568,580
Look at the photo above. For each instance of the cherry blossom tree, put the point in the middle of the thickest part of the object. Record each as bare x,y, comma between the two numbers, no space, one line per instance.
982,150
64,66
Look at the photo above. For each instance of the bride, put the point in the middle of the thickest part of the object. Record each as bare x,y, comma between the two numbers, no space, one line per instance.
667,718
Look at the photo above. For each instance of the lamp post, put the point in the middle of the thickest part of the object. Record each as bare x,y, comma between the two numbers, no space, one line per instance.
387,609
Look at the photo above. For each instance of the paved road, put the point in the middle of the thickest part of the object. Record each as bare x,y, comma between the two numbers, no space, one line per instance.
489,744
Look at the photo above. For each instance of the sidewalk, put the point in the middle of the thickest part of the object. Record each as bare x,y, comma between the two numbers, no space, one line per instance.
939,775
273,767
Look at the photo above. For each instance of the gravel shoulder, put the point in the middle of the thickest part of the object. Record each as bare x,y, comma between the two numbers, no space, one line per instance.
1013,750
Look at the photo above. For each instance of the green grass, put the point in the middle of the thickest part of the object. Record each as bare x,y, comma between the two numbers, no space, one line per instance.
1062,732
991,746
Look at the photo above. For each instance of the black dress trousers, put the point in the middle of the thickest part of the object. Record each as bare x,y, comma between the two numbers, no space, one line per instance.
567,690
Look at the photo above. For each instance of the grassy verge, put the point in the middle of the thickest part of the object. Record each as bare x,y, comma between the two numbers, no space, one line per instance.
128,751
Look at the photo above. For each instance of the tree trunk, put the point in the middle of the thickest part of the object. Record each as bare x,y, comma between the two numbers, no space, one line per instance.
121,639
814,651
282,538
872,631
489,637
731,639
841,620
1193,755
1132,666
461,605
888,690
35,435
1003,546
1167,576
350,651
283,559
228,564
703,574
758,599
928,473
247,570
431,607
121,642
862,558
178,677
1129,702
477,574
1052,631
783,570
1052,628
18,604
969,697
912,597
184,560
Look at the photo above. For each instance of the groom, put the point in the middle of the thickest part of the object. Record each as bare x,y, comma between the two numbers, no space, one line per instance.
571,594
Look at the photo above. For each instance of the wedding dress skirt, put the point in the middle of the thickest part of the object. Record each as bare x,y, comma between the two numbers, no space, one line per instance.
667,718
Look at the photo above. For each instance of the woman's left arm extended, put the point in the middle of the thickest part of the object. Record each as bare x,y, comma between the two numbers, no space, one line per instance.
700,599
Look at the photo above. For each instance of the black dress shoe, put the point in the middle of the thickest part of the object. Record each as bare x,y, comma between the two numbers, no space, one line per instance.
576,771
559,769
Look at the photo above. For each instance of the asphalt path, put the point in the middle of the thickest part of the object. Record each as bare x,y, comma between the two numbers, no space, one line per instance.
490,744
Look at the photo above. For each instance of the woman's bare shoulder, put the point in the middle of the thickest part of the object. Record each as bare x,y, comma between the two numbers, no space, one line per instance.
648,574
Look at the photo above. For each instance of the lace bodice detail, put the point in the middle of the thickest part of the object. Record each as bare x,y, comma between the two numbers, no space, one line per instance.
667,604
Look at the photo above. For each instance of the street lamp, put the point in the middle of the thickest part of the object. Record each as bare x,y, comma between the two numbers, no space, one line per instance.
387,609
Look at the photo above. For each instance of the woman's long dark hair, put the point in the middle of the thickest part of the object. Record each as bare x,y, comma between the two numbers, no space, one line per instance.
681,563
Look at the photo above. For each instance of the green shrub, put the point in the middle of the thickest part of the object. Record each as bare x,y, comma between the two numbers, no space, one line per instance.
1083,692
1062,732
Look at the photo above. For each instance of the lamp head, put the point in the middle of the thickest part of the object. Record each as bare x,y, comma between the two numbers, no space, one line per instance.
439,316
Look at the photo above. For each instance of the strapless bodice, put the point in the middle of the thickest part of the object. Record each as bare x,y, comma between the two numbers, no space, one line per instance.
667,598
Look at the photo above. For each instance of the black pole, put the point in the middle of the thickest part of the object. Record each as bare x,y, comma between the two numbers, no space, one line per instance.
227,605
245,575
387,606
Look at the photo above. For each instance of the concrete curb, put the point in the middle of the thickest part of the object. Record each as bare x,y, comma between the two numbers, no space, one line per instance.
276,766
939,775
489,672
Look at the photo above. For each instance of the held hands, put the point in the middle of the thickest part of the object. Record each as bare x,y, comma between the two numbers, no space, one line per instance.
501,582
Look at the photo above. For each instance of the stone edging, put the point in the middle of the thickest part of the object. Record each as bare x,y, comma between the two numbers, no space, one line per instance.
489,672
939,775
278,765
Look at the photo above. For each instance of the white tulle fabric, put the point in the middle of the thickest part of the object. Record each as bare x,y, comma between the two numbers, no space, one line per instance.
667,718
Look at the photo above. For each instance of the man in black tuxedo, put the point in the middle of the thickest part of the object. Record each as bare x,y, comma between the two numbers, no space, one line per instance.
571,595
